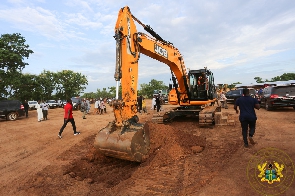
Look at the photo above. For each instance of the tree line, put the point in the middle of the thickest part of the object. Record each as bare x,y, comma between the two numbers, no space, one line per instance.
283,77
47,85
16,85
146,90
63,84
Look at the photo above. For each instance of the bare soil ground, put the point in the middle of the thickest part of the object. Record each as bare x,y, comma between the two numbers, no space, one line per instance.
184,159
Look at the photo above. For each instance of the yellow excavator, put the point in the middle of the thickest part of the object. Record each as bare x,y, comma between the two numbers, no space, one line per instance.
193,90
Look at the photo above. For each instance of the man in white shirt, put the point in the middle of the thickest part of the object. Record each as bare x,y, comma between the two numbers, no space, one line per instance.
223,100
44,107
96,105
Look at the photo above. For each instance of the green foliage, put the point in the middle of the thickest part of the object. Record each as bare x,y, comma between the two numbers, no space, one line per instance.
258,80
147,90
69,84
13,51
232,85
104,93
284,77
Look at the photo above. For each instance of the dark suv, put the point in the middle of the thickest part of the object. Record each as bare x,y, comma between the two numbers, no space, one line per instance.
278,96
233,95
76,101
11,109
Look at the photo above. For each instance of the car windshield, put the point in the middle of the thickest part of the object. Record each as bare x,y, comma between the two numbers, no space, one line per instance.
76,100
236,92
51,101
32,102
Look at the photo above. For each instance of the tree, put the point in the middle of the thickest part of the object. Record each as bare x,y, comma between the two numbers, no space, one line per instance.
231,86
258,80
69,83
284,77
47,81
147,90
13,50
26,87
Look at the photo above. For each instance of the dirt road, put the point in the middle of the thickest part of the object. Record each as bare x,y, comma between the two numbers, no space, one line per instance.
184,159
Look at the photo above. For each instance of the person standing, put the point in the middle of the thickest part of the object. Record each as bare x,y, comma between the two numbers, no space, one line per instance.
39,112
223,100
26,107
139,104
44,107
154,102
104,105
158,103
247,117
68,117
96,106
143,105
101,106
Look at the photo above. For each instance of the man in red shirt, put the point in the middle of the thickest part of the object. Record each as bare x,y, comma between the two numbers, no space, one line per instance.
68,117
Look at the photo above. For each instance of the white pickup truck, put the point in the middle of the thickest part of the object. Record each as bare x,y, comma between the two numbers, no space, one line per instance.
32,105
52,104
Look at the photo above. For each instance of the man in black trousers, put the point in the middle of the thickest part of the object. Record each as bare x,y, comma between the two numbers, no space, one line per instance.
247,116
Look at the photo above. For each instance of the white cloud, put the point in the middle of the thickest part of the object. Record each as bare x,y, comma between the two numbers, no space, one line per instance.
36,20
239,36
80,20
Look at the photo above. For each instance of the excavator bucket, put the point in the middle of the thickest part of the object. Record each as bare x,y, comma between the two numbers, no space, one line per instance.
130,143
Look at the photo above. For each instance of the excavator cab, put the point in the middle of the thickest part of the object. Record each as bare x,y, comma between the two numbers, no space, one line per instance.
201,85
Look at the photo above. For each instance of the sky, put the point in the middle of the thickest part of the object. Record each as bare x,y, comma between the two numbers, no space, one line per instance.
236,39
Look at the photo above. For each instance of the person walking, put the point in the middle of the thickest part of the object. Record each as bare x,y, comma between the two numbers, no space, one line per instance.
44,107
247,117
39,112
68,117
84,107
26,107
88,106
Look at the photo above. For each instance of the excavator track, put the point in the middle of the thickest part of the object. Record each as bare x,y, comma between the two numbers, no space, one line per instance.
206,116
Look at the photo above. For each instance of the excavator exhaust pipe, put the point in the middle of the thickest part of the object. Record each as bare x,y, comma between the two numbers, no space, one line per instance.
130,143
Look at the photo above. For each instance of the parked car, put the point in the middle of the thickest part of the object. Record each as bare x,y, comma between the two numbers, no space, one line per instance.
32,104
11,109
52,104
233,95
63,103
76,103
278,96
59,103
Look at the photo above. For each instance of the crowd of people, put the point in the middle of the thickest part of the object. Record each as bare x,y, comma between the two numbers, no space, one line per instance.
99,107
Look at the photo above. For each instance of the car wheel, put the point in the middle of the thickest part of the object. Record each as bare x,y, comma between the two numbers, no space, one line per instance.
267,106
12,116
